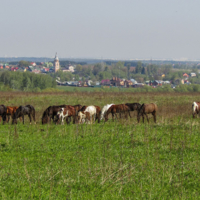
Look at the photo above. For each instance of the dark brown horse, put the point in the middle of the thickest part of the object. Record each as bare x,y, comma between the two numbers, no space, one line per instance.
114,109
3,113
50,113
24,110
147,109
133,106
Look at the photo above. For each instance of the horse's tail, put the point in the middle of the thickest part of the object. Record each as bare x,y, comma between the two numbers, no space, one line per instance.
33,113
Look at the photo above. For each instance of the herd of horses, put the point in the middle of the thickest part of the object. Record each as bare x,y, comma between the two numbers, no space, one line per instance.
78,113
84,114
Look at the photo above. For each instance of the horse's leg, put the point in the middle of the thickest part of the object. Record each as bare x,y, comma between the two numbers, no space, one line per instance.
129,114
74,119
33,115
113,117
22,118
143,117
62,120
154,116
4,118
147,118
8,118
116,116
126,115
67,120
29,115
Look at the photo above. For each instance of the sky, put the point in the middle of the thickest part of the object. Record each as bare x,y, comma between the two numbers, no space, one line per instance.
106,29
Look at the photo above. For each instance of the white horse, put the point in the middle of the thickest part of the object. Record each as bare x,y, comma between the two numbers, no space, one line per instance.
88,115
104,110
195,108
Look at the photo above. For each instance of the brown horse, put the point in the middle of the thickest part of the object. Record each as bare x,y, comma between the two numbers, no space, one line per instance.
114,109
195,108
147,109
10,112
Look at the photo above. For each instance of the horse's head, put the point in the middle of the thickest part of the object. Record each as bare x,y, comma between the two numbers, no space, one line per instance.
45,119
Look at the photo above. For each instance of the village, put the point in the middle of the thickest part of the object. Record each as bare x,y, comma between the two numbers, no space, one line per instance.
115,81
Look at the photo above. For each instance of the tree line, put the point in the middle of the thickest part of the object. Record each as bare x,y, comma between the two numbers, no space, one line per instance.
27,81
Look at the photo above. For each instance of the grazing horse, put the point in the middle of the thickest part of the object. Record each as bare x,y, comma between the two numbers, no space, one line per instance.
87,113
114,109
3,113
195,108
50,113
24,110
10,112
67,111
104,110
133,106
147,109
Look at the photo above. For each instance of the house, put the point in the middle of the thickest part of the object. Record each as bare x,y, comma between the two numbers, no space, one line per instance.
128,83
36,71
14,69
156,83
73,83
192,74
45,70
69,69
138,85
133,81
33,64
185,75
166,82
179,81
105,82
117,81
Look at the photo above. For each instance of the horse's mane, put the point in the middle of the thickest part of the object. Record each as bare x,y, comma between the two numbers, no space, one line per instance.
3,106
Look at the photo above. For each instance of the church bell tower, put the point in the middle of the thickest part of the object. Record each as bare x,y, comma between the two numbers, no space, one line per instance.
56,63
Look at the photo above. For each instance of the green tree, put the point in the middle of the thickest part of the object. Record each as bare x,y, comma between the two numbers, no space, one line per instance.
24,63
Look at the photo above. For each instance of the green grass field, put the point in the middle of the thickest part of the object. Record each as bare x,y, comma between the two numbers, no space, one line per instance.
112,160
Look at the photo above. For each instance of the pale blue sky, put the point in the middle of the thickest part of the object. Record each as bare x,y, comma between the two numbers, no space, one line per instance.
119,29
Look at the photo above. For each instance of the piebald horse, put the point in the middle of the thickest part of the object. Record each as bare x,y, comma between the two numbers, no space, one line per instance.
87,114
104,110
195,108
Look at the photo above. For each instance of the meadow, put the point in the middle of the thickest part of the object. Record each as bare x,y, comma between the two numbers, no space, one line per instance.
112,160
